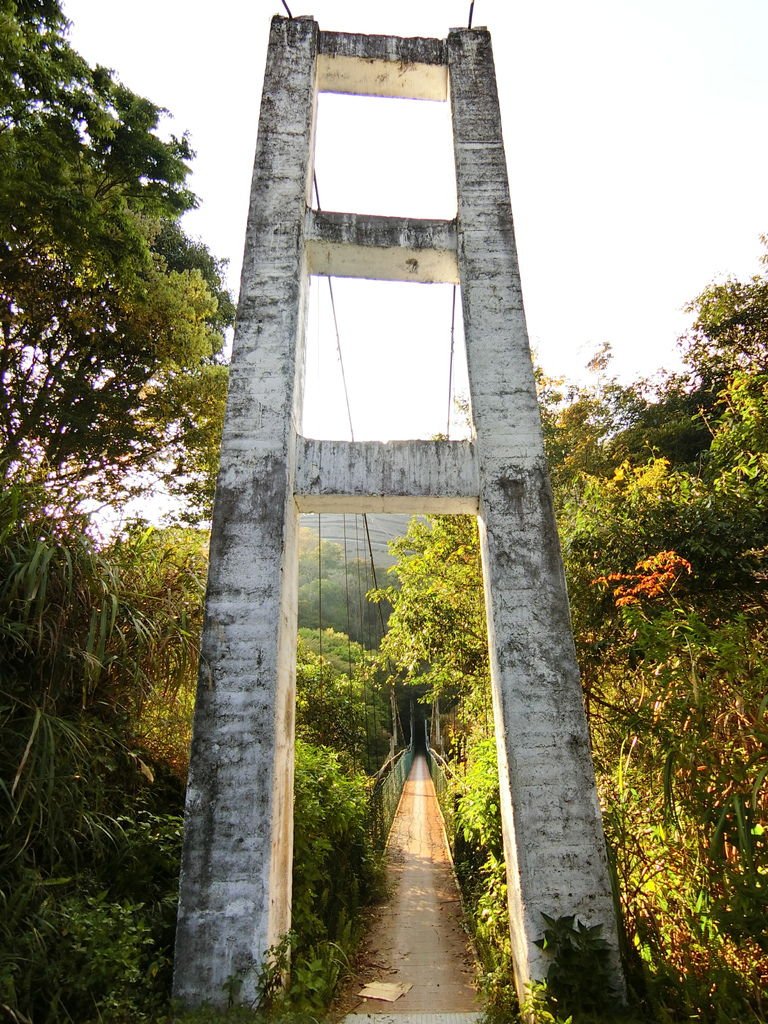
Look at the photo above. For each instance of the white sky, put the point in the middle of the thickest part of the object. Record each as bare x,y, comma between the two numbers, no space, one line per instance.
636,141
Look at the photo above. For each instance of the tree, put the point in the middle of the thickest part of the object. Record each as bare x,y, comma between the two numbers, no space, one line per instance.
437,634
112,320
730,331
338,699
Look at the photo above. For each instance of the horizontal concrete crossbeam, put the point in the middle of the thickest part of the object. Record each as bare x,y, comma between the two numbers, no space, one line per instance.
382,66
414,477
235,890
381,248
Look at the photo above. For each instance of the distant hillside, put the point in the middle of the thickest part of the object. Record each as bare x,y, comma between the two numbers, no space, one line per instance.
338,599
382,528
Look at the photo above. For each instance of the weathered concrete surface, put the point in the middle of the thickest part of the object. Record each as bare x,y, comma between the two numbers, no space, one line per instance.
417,937
553,839
235,885
236,871
381,248
393,476
382,66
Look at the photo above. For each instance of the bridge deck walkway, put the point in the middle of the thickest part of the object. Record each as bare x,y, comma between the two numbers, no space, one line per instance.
417,937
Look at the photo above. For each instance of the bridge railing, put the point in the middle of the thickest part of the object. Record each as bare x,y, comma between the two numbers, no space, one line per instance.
385,795
442,775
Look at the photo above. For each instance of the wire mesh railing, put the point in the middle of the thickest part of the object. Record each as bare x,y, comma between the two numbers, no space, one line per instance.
442,775
385,795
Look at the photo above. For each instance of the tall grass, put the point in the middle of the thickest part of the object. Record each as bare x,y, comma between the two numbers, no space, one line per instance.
89,637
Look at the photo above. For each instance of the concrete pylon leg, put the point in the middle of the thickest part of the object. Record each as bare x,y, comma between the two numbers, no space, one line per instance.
553,839
236,871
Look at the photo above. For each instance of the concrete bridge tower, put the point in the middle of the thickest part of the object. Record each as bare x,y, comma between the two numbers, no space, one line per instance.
236,875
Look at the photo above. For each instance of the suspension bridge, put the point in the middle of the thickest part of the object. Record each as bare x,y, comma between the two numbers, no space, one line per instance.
235,897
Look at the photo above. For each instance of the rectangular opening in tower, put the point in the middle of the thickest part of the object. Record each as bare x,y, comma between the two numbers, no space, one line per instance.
395,371
344,682
385,156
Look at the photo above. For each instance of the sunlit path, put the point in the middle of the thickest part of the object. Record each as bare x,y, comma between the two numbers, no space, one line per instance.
417,938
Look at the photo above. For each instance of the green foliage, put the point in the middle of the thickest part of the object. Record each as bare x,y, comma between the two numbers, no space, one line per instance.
84,639
89,819
244,1015
579,976
339,701
76,947
294,983
85,628
112,320
673,664
436,636
478,812
729,333
342,655
101,946
336,870
333,590
682,755
479,861
663,513
437,620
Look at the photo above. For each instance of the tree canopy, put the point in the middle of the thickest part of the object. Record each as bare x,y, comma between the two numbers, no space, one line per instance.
113,321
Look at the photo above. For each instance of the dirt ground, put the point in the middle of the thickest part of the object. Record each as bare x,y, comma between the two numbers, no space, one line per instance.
416,938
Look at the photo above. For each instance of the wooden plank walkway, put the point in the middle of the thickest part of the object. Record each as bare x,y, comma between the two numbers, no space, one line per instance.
417,937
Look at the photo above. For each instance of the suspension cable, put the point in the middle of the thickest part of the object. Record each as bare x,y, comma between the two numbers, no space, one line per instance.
362,634
373,574
349,638
287,10
349,410
336,327
471,12
363,617
341,360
